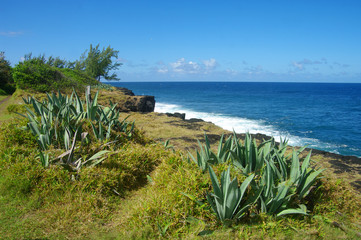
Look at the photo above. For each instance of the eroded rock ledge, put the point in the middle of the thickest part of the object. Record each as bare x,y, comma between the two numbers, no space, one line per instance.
133,103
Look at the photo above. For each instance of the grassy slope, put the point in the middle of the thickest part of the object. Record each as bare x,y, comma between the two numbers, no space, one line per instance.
160,204
184,135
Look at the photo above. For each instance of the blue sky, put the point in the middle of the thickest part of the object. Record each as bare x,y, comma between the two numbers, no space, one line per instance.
301,41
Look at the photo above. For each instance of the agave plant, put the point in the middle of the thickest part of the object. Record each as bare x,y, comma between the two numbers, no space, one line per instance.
304,176
58,121
276,180
249,158
228,200
206,156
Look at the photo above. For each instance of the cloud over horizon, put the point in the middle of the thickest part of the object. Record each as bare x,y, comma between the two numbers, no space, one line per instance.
183,69
11,33
182,66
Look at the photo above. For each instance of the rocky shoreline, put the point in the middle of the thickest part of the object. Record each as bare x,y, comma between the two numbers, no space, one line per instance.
133,103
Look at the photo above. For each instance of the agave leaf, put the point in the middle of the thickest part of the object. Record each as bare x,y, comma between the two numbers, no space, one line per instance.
44,159
231,200
305,189
302,210
220,144
283,165
220,208
242,190
79,105
37,107
34,128
252,199
31,114
193,198
44,141
94,130
96,158
109,130
269,179
212,203
216,188
295,167
72,147
67,140
192,157
306,162
101,132
281,197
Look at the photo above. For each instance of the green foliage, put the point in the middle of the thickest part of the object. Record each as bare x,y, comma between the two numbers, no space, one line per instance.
206,156
113,200
2,92
63,121
6,79
228,200
98,63
78,77
52,199
16,108
103,86
163,202
280,183
37,75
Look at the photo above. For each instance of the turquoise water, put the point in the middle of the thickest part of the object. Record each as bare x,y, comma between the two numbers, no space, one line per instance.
321,115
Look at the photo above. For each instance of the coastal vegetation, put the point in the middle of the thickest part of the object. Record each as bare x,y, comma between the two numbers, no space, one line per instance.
73,166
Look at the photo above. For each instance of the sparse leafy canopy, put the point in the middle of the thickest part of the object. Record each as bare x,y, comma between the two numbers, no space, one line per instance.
98,63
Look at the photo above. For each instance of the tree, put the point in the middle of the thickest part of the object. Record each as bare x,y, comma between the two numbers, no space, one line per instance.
5,71
98,63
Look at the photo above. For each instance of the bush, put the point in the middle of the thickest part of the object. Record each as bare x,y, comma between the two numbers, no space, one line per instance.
39,76
78,77
5,72
16,108
8,89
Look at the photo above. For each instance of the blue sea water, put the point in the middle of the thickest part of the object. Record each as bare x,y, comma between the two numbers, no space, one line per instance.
325,116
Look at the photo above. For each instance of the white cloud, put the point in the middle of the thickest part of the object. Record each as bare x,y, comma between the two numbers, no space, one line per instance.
323,64
10,34
182,66
162,69
210,64
300,65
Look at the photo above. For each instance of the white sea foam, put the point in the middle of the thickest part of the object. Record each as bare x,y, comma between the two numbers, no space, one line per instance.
243,125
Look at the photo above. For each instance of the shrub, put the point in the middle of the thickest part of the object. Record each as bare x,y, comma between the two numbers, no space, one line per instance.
16,108
39,76
5,73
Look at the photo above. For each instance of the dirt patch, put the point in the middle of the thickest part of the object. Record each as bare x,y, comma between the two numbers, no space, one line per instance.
4,100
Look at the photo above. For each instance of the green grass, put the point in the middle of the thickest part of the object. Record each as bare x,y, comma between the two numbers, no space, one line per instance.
138,192
2,97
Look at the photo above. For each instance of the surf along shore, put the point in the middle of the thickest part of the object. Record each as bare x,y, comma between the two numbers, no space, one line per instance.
183,135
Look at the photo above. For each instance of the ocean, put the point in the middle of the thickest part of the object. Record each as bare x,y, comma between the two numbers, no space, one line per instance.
324,116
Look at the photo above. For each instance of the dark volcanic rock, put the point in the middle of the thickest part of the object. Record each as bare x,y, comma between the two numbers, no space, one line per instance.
141,104
146,104
194,120
177,115
125,91
132,103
